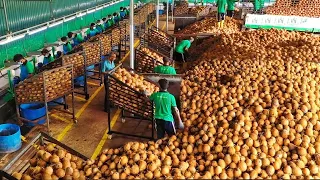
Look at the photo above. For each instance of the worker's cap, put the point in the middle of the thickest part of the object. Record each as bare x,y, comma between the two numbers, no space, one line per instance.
164,84
70,34
166,59
64,38
44,51
17,57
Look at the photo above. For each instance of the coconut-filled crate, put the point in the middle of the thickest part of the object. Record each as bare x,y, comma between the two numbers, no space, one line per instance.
43,88
127,90
146,59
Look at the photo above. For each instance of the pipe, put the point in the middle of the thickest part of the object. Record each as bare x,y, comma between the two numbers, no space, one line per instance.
167,19
172,8
6,16
131,34
157,14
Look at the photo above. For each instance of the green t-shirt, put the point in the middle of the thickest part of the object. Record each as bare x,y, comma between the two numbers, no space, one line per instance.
165,70
163,101
30,67
79,37
231,5
127,12
221,6
51,59
183,45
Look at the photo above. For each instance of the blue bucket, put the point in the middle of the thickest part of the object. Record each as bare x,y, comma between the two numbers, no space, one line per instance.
33,112
10,140
59,100
90,68
79,81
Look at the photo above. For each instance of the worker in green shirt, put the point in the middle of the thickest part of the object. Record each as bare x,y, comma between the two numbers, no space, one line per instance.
48,58
67,47
76,38
180,53
92,31
26,67
165,68
230,8
100,26
221,4
110,20
127,11
164,102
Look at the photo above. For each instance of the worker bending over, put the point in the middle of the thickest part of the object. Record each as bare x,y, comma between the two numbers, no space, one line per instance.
221,4
76,38
164,103
67,47
180,53
165,68
48,58
26,67
230,8
108,64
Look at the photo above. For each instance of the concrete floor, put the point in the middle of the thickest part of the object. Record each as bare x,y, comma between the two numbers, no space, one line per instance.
89,135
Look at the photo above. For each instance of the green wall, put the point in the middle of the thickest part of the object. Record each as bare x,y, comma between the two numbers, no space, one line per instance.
37,41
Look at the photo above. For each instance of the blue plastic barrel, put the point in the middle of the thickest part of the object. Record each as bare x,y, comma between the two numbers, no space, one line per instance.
32,112
90,68
79,81
53,103
10,140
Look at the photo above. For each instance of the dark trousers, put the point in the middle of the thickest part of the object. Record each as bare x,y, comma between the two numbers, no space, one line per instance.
220,17
180,57
230,13
165,127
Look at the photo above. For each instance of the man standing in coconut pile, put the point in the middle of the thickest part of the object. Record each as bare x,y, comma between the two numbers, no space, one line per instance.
221,4
165,68
181,52
164,104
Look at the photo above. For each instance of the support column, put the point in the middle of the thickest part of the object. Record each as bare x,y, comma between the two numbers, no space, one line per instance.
157,14
167,19
131,34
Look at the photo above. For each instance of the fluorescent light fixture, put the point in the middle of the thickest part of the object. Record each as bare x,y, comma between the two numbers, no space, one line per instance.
91,11
69,18
11,38
97,9
81,14
55,23
37,30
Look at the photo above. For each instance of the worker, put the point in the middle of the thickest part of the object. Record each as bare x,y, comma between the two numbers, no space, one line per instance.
105,23
26,67
59,54
181,50
116,18
122,13
76,38
221,4
92,31
100,26
230,8
165,68
164,103
67,47
110,20
48,58
108,64
127,11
